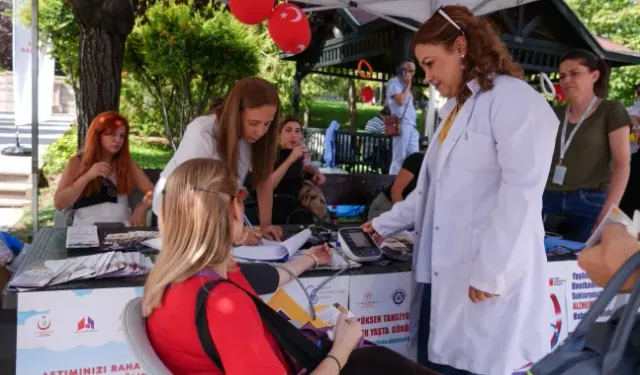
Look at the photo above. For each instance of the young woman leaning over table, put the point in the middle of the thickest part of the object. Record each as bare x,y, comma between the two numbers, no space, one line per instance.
591,162
201,216
97,181
239,133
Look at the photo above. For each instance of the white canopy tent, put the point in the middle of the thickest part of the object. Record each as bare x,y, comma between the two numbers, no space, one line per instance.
399,11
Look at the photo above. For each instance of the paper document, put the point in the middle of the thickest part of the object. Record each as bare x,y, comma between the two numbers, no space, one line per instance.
111,264
82,237
615,216
273,251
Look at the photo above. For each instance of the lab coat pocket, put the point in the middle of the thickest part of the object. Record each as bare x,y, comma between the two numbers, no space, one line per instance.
480,150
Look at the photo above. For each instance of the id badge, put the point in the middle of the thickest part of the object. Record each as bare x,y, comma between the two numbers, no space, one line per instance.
558,174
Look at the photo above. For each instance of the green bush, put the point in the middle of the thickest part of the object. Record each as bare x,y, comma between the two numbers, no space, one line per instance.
59,152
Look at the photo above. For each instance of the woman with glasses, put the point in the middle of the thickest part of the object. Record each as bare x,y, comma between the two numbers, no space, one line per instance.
591,162
98,180
481,295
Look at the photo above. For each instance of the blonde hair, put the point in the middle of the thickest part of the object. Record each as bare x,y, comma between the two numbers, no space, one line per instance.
249,92
196,226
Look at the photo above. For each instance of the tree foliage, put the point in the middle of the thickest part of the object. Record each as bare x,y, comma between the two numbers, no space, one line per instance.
183,57
619,22
6,33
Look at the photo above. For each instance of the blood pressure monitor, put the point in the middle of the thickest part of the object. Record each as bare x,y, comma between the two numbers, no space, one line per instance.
358,245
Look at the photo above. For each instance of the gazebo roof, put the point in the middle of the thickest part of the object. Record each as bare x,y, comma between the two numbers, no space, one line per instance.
537,33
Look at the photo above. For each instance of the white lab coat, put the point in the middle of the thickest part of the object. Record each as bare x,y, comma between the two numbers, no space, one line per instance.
487,231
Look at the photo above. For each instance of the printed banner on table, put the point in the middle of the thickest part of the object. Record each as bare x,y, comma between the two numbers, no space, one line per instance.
582,293
291,300
558,285
74,332
381,304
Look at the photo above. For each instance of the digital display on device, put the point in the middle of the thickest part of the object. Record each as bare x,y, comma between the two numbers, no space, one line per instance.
359,239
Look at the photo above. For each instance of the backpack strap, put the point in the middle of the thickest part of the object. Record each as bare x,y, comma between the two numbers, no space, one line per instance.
202,323
291,341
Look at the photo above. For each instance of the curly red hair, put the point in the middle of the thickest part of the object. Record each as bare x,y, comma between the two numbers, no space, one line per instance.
486,54
91,153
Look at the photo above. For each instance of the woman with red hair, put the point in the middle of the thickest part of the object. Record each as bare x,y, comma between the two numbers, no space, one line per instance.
97,181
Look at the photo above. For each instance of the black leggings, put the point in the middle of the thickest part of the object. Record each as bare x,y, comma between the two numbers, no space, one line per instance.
378,360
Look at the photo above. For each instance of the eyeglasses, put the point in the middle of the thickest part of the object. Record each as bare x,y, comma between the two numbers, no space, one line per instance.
446,17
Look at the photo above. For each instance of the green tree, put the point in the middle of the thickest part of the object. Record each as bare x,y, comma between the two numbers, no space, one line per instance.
619,22
183,57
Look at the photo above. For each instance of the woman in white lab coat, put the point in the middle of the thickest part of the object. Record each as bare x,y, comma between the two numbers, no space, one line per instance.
479,254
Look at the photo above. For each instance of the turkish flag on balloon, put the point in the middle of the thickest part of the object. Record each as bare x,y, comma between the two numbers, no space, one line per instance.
366,94
289,28
251,12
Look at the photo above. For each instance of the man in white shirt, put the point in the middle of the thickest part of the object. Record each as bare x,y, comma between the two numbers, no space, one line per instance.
634,110
400,101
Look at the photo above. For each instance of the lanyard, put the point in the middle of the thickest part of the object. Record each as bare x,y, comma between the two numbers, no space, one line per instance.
564,142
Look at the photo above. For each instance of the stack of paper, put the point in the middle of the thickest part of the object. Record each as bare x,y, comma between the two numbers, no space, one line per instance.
105,265
80,237
272,251
128,240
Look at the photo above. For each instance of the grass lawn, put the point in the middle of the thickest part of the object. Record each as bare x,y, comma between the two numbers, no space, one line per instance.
321,113
149,153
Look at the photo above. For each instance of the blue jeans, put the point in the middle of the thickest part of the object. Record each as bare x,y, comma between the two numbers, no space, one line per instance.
423,339
580,210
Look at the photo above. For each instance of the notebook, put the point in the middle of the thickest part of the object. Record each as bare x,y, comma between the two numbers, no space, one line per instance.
272,251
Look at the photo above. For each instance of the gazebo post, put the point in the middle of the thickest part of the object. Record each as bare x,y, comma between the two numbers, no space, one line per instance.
297,88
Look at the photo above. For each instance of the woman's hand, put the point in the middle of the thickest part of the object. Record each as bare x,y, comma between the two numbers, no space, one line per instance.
253,237
602,261
148,198
297,152
99,169
272,232
322,253
318,178
476,295
368,228
347,332
137,219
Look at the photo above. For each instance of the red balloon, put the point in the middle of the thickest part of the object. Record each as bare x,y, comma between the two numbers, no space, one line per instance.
289,28
366,94
560,95
251,12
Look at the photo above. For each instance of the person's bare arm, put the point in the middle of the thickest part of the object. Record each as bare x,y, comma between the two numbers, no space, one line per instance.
401,98
69,190
142,183
279,172
620,153
401,181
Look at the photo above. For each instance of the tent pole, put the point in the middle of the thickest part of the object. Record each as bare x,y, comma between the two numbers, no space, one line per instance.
34,114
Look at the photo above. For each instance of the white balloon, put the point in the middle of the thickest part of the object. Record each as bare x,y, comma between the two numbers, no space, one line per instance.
298,16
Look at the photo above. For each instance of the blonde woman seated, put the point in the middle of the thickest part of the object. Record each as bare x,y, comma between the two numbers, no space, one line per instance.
98,180
201,215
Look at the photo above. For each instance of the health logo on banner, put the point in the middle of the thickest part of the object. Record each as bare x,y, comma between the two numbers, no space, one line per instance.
381,304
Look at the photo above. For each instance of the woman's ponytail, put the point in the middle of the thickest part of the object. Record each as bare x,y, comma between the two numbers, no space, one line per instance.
601,87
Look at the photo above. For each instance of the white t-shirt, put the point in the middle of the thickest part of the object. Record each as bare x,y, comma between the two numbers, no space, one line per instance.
634,110
199,141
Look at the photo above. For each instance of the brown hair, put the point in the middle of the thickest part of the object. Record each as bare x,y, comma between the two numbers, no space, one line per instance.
486,54
287,119
91,153
250,92
592,63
